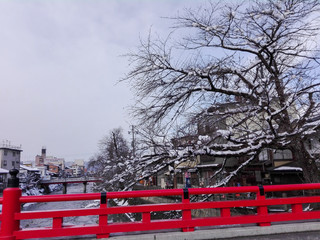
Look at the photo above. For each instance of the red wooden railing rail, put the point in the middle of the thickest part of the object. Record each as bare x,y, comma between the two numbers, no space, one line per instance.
12,200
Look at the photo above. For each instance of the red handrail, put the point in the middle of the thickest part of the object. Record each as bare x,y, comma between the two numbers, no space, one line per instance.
12,200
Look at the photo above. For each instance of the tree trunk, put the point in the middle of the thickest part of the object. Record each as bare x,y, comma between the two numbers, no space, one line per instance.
309,167
306,162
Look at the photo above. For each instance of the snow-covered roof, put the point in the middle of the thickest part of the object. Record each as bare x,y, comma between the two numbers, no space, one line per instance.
187,164
29,168
52,164
3,171
288,168
208,165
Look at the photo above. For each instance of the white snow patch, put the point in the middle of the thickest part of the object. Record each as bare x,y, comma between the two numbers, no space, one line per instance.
96,203
208,165
204,138
27,205
284,168
29,168
224,133
33,192
3,170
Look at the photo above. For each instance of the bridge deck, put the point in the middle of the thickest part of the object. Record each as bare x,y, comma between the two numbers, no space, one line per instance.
245,232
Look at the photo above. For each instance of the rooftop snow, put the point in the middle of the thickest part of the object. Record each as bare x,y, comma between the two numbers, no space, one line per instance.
208,165
29,168
2,171
288,169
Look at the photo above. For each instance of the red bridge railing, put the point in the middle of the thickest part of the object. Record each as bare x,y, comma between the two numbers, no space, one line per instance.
261,204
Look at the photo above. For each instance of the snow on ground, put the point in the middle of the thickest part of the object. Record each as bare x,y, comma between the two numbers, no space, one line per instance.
94,204
55,187
32,192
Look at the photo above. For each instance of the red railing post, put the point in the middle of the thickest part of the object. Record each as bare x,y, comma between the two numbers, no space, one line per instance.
262,210
186,214
225,212
103,219
10,206
297,208
57,222
146,217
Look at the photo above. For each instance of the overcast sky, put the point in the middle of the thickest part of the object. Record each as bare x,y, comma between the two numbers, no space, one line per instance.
60,62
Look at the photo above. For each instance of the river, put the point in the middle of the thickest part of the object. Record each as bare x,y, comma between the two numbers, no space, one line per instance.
72,188
82,220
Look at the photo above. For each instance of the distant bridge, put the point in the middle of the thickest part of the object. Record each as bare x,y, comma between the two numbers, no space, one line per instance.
65,182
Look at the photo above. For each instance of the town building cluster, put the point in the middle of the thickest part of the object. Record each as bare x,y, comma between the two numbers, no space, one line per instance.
43,167
273,166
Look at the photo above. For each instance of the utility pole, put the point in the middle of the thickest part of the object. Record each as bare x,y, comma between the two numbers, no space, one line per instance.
133,142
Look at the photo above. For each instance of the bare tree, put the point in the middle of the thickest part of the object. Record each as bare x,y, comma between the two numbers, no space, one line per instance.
262,56
112,162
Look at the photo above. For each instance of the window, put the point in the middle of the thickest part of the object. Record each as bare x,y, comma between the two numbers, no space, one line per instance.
4,162
12,164
13,153
5,152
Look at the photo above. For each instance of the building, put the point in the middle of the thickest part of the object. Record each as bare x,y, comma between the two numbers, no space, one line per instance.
3,178
78,168
79,162
10,156
42,170
40,158
27,163
44,160
49,160
54,169
272,166
9,159
29,175
68,172
25,170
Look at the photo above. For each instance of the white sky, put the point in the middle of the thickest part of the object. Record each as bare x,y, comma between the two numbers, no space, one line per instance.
59,65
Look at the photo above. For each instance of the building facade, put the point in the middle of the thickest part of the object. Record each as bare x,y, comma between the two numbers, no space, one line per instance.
40,158
51,163
10,156
272,166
